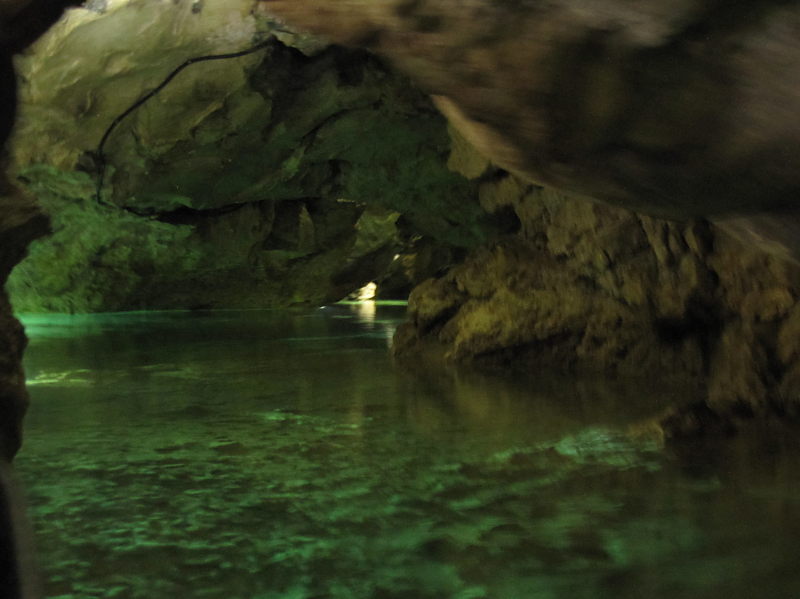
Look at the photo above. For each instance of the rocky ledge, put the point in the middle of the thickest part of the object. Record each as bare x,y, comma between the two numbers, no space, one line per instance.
584,287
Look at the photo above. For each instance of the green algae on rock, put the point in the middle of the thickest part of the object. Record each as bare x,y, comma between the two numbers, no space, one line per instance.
100,258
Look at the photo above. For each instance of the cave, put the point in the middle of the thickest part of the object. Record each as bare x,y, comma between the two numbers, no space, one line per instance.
414,298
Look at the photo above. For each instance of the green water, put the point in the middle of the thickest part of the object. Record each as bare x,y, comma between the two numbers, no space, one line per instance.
255,455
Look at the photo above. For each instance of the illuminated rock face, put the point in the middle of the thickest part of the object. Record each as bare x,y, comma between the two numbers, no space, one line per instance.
266,180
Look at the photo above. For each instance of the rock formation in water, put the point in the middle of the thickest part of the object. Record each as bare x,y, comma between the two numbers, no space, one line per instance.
586,287
675,110
20,223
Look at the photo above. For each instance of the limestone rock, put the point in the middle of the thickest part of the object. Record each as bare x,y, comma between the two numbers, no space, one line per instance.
676,109
579,287
246,178
279,179
584,287
100,258
92,65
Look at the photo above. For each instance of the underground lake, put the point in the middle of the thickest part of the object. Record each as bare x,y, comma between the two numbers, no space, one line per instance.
549,187
282,454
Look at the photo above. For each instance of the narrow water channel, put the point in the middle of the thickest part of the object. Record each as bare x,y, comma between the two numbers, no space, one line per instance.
281,455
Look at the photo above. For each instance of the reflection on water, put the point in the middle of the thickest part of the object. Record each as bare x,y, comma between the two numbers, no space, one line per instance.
246,455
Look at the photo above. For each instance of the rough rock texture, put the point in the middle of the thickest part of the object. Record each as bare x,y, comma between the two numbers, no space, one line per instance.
254,255
675,109
243,183
588,287
680,107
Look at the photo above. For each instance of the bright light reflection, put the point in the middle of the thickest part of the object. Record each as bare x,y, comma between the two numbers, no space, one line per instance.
365,311
367,292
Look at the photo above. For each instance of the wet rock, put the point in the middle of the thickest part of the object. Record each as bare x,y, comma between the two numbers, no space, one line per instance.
564,293
680,112
584,287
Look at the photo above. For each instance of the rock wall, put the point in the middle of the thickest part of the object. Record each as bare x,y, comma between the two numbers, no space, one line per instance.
585,287
20,223
266,180
672,108
21,220
676,110
253,255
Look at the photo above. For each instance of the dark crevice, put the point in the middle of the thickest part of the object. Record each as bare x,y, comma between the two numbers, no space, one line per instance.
701,322
435,324
505,221
190,216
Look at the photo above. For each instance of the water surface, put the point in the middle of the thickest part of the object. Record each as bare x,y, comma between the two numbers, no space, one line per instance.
261,455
